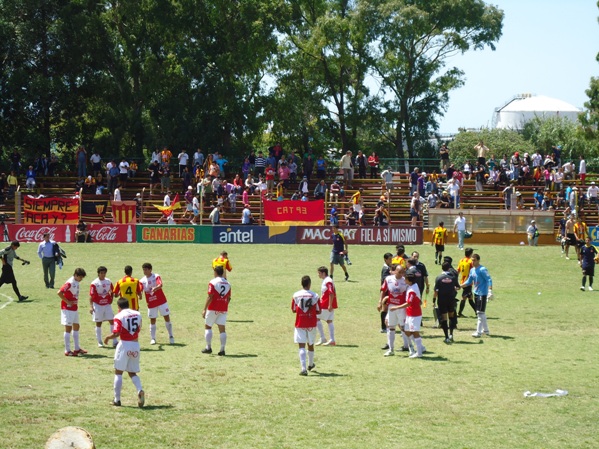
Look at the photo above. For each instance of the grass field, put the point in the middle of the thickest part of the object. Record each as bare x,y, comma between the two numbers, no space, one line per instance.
467,395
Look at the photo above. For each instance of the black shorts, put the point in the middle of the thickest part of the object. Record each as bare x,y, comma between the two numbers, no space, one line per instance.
467,292
439,248
588,271
570,239
8,275
480,303
445,305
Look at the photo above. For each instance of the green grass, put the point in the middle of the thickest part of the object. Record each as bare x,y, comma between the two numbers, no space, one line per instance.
468,395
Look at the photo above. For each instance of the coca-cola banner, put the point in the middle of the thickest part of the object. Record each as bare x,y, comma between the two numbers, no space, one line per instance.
101,233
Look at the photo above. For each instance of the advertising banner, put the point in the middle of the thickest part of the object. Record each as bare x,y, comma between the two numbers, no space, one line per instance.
101,233
253,234
373,235
173,234
294,213
50,211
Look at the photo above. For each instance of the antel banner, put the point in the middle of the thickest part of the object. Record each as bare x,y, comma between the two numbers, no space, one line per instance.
253,234
101,233
392,235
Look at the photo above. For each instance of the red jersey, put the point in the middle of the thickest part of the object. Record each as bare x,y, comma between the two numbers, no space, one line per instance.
127,323
148,283
70,289
270,174
219,291
413,299
396,288
101,291
305,306
326,292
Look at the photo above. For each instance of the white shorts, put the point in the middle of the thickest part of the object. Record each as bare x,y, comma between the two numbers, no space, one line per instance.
358,207
126,356
326,315
69,317
396,317
413,323
102,313
213,317
162,308
305,335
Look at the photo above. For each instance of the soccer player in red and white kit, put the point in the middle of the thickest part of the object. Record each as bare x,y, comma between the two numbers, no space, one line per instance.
413,315
100,303
328,304
216,308
393,293
127,324
306,307
69,294
152,286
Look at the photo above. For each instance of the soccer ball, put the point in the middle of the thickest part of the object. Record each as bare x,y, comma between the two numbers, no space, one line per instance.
521,243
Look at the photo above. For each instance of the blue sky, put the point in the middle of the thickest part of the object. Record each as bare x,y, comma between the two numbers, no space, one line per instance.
548,47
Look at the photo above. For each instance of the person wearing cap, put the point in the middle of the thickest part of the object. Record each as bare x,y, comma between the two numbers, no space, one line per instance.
188,202
246,215
533,233
46,253
137,205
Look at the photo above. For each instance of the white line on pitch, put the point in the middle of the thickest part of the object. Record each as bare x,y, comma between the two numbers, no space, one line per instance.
9,301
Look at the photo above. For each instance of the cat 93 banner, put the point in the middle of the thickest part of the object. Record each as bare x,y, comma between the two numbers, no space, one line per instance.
50,211
294,213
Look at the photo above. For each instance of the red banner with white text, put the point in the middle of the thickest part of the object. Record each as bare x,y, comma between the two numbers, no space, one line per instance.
50,211
101,233
294,213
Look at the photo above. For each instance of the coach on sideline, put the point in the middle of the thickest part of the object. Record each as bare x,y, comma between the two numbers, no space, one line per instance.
45,251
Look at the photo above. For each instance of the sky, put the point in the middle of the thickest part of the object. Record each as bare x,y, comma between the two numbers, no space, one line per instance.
548,47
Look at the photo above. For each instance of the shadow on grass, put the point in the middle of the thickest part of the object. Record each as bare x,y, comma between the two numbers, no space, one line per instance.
503,337
341,346
240,356
96,356
319,374
240,321
151,407
433,358
467,342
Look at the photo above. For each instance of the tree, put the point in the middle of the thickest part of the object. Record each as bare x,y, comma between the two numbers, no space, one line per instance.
410,42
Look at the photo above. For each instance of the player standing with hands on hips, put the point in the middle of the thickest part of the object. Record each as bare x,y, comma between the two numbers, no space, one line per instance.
127,324
480,279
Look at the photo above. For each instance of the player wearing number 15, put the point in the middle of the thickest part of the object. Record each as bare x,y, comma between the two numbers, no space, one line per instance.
216,308
127,324
129,288
152,286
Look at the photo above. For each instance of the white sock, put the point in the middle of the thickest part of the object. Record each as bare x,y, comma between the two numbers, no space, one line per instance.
302,356
406,341
419,345
208,335
118,386
485,327
320,330
412,342
153,331
99,335
67,341
169,328
479,322
76,340
137,382
223,340
332,331
310,358
391,338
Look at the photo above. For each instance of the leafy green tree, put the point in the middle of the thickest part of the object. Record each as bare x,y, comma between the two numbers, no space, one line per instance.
410,42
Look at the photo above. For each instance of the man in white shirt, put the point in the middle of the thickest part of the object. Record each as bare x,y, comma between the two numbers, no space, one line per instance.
346,165
460,226
246,215
582,170
592,193
96,161
198,158
123,172
183,158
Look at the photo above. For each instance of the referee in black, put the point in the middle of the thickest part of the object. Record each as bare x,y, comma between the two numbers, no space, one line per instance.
444,297
8,255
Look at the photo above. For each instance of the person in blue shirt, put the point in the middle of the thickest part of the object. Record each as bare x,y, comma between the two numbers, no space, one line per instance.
588,253
538,197
480,279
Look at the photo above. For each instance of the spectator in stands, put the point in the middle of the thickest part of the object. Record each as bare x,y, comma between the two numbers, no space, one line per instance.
308,166
432,200
53,165
155,156
373,163
515,164
334,217
215,215
183,161
387,176
284,175
154,170
117,193
261,186
304,186
582,170
346,164
232,199
89,186
381,215
198,158
568,170
132,169
334,190
252,159
481,152
260,164
297,195
81,158
479,176
30,178
305,197
320,190
270,178
246,215
547,200
507,193
467,170
449,172
453,186
444,155
165,156
187,177
321,168
12,182
246,167
421,181
112,174
138,204
249,184
558,179
96,162
445,200
414,180
415,208
538,198
165,178
292,165
272,161
123,172
44,165
280,190
361,162
188,202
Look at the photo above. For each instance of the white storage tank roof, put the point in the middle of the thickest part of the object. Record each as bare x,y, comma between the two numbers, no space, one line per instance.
516,112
